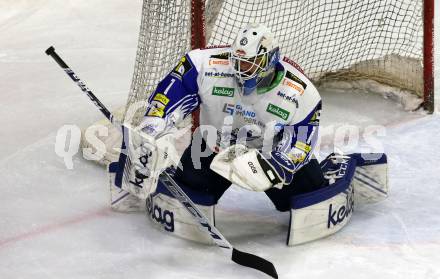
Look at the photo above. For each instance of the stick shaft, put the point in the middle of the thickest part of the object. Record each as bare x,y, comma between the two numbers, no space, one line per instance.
51,52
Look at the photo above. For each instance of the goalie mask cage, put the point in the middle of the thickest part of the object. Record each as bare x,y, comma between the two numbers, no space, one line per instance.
387,41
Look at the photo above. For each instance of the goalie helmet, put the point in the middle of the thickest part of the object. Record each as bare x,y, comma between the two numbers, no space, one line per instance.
254,54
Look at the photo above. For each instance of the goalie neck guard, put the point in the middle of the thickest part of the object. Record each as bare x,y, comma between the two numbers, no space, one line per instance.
254,55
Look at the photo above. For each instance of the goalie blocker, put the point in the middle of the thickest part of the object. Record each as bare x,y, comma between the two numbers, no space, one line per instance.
350,180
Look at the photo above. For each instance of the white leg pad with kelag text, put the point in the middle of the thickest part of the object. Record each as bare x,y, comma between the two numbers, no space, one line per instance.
169,215
357,179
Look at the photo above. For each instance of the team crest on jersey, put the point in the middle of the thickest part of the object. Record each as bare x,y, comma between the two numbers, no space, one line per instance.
183,67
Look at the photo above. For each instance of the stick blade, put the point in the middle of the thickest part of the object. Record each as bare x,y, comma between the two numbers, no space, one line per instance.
255,262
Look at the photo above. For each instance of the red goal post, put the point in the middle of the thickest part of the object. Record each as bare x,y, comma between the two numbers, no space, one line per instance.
428,55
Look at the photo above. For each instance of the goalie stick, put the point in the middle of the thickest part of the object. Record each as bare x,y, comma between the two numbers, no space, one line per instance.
237,256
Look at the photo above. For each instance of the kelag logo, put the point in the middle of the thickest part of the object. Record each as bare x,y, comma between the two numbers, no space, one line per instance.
275,110
338,216
163,217
223,91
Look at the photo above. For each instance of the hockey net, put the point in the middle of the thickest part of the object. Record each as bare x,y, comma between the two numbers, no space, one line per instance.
378,40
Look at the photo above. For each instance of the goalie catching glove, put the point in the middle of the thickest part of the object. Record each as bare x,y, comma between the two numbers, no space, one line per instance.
252,170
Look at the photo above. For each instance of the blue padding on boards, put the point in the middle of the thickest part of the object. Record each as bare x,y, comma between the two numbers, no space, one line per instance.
341,185
197,197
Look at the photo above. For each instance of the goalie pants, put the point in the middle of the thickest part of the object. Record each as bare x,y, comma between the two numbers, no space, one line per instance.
206,181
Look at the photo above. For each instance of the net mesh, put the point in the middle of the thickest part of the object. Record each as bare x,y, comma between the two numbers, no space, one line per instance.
164,37
337,36
378,39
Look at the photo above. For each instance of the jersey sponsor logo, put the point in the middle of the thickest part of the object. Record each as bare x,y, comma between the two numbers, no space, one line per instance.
296,79
156,113
161,98
156,109
276,110
160,216
223,91
291,99
221,59
293,63
218,75
239,110
229,109
220,62
183,67
294,86
224,56
337,216
249,116
303,146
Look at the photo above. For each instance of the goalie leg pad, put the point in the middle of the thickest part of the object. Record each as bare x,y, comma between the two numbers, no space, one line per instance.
371,177
140,162
169,215
121,200
351,180
325,211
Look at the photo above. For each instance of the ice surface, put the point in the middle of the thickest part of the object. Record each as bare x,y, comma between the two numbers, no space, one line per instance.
56,223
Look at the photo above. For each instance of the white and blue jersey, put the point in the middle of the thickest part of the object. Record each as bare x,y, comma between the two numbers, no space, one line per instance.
286,111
